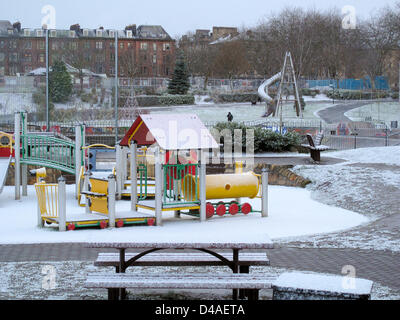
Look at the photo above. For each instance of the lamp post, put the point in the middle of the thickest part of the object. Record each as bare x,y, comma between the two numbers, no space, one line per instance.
47,78
116,87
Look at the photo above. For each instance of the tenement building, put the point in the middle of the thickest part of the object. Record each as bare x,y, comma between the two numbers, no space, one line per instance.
143,51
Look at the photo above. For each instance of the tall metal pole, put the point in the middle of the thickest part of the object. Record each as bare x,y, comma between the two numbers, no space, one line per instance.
116,87
47,81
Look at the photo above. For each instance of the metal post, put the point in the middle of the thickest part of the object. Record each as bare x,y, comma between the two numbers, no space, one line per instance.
78,157
47,81
24,167
119,172
134,197
116,87
111,200
159,186
17,148
203,167
264,199
86,188
40,222
62,204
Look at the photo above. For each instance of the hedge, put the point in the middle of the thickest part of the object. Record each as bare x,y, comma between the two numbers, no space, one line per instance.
237,97
264,140
167,100
355,95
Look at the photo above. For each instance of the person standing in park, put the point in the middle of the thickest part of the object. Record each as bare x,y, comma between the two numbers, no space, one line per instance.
230,117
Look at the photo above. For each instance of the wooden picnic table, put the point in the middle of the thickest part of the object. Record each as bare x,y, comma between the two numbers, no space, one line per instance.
211,248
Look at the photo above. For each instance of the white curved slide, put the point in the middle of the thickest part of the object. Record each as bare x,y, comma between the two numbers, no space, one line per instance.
263,89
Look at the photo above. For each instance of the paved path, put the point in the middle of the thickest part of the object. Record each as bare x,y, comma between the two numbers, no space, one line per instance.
379,266
335,114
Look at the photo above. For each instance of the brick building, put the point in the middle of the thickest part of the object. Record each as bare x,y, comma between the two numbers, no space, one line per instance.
144,51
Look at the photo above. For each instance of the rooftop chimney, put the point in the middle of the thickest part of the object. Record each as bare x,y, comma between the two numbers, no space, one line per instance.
17,25
75,27
131,27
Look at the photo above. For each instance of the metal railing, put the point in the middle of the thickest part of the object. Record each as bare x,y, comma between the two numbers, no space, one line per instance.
181,185
47,195
48,151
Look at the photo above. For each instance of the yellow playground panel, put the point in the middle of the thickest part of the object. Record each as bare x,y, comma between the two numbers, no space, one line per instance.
227,186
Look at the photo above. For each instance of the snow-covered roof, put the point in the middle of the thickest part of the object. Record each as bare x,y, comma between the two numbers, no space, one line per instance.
171,132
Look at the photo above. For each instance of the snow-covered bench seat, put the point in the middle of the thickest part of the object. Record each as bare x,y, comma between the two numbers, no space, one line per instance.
304,286
252,284
181,259
315,147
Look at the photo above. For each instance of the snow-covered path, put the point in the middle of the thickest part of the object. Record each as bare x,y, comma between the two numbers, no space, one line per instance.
369,183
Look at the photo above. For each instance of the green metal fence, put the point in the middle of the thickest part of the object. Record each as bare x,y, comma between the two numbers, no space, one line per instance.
181,185
48,151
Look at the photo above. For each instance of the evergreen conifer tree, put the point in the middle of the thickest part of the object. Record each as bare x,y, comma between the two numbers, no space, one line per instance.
60,83
179,83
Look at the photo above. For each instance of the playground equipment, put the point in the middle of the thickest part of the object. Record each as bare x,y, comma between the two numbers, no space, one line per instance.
6,154
45,149
287,79
52,208
181,184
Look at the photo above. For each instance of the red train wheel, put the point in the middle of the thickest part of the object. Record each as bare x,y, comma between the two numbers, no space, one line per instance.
120,224
151,222
103,224
246,208
71,227
210,210
233,209
221,210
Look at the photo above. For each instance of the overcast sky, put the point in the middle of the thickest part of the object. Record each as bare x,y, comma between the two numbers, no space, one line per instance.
176,16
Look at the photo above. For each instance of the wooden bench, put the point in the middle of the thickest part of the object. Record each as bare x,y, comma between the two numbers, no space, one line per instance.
250,284
304,286
315,146
183,259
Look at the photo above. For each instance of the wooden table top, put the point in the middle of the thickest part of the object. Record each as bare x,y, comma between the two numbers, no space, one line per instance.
267,244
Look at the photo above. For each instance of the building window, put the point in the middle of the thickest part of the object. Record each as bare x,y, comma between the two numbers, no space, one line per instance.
121,45
40,45
73,45
41,58
2,44
154,46
2,56
13,45
154,58
28,45
13,57
166,46
143,45
54,46
86,45
27,57
99,45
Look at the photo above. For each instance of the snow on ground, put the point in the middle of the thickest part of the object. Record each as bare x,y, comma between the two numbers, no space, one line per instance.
292,213
368,183
384,155
21,280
